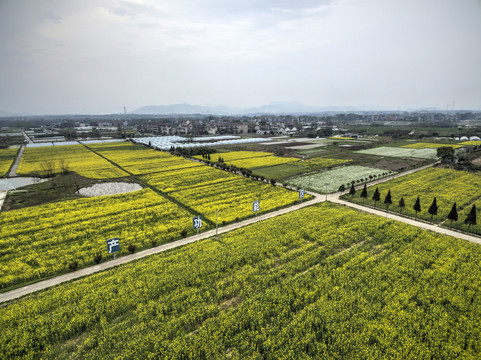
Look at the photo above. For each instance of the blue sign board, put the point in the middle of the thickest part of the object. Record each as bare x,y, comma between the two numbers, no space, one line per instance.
301,193
197,222
113,245
256,206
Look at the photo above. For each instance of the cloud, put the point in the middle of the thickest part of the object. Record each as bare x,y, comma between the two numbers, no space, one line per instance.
85,54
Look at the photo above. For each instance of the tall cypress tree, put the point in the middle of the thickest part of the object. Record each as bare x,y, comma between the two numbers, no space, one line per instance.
352,190
364,192
453,214
376,196
471,218
417,206
402,204
387,199
433,209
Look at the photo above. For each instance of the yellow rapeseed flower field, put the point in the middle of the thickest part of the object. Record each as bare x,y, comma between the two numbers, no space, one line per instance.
237,155
324,282
77,158
40,241
7,157
430,146
448,186
200,187
250,159
139,159
472,143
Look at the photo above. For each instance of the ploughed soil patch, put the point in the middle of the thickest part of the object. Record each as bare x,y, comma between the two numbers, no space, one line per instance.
397,164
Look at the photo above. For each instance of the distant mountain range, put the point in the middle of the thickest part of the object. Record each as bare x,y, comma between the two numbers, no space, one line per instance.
274,108
292,107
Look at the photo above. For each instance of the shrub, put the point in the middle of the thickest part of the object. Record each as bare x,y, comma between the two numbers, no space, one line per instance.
98,258
73,265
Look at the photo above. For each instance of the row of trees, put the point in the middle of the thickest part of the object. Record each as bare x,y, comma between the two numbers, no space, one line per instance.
433,208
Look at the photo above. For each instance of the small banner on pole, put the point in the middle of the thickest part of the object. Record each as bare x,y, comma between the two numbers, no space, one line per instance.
301,193
256,206
197,222
113,245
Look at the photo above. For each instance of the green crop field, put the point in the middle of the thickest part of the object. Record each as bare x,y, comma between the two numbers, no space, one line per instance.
300,167
324,282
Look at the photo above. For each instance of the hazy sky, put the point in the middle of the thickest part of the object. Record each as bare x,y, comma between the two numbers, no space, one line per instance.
96,56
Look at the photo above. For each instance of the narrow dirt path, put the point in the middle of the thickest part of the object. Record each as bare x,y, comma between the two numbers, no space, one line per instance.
27,137
13,170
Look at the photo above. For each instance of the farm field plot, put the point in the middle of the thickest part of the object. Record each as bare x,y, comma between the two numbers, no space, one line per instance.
341,138
323,282
55,159
472,143
7,157
176,180
261,161
40,241
236,155
400,152
250,159
337,177
448,186
309,151
287,170
140,159
430,146
199,186
233,199
279,172
319,163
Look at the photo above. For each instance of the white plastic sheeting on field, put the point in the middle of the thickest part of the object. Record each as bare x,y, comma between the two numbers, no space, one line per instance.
62,143
165,142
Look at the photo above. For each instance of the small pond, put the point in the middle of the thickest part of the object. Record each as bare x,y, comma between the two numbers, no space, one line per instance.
16,182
